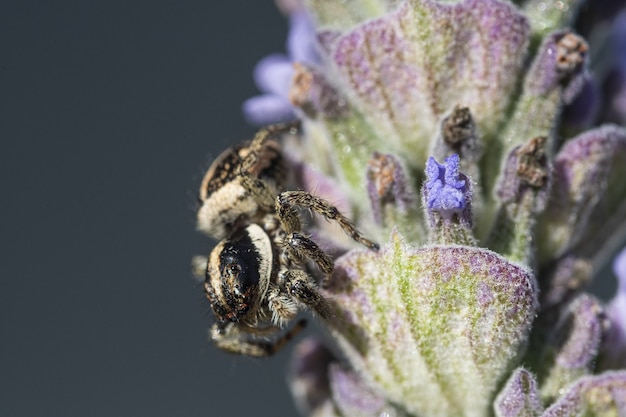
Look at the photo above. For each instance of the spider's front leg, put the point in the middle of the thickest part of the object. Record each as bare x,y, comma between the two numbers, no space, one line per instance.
300,246
239,339
262,192
288,200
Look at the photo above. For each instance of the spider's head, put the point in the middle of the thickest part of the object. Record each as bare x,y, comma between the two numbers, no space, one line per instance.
238,274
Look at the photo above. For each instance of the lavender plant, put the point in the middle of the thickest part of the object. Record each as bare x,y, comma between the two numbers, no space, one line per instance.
480,143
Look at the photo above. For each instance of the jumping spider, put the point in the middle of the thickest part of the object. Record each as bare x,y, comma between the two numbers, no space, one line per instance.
256,278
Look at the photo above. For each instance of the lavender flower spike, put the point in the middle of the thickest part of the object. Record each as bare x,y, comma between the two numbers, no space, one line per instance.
485,281
273,74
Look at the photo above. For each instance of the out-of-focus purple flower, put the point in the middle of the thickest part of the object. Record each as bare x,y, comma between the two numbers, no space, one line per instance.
615,342
273,74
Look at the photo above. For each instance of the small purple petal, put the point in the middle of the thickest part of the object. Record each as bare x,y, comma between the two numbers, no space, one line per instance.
273,74
268,109
301,39
445,191
447,201
619,269
614,349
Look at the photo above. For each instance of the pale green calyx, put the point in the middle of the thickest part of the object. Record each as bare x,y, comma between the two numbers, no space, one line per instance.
436,329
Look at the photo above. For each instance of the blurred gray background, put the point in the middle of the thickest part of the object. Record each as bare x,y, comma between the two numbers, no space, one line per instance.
110,111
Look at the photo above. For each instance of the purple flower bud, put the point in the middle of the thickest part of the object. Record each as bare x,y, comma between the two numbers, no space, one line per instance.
522,190
573,345
458,134
568,276
555,78
519,397
598,395
559,64
387,186
526,170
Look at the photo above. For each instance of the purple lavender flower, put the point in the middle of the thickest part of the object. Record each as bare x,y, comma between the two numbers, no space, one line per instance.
446,196
273,74
444,190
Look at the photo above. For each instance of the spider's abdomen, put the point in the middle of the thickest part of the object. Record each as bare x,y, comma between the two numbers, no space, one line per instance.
225,203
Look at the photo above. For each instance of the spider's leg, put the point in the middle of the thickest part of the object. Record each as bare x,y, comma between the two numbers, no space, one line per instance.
299,247
260,191
258,143
286,201
282,306
301,286
234,339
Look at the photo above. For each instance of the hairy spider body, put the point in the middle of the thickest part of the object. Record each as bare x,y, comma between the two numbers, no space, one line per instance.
256,277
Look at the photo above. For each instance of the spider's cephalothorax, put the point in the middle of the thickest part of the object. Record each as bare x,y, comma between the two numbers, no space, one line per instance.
256,277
